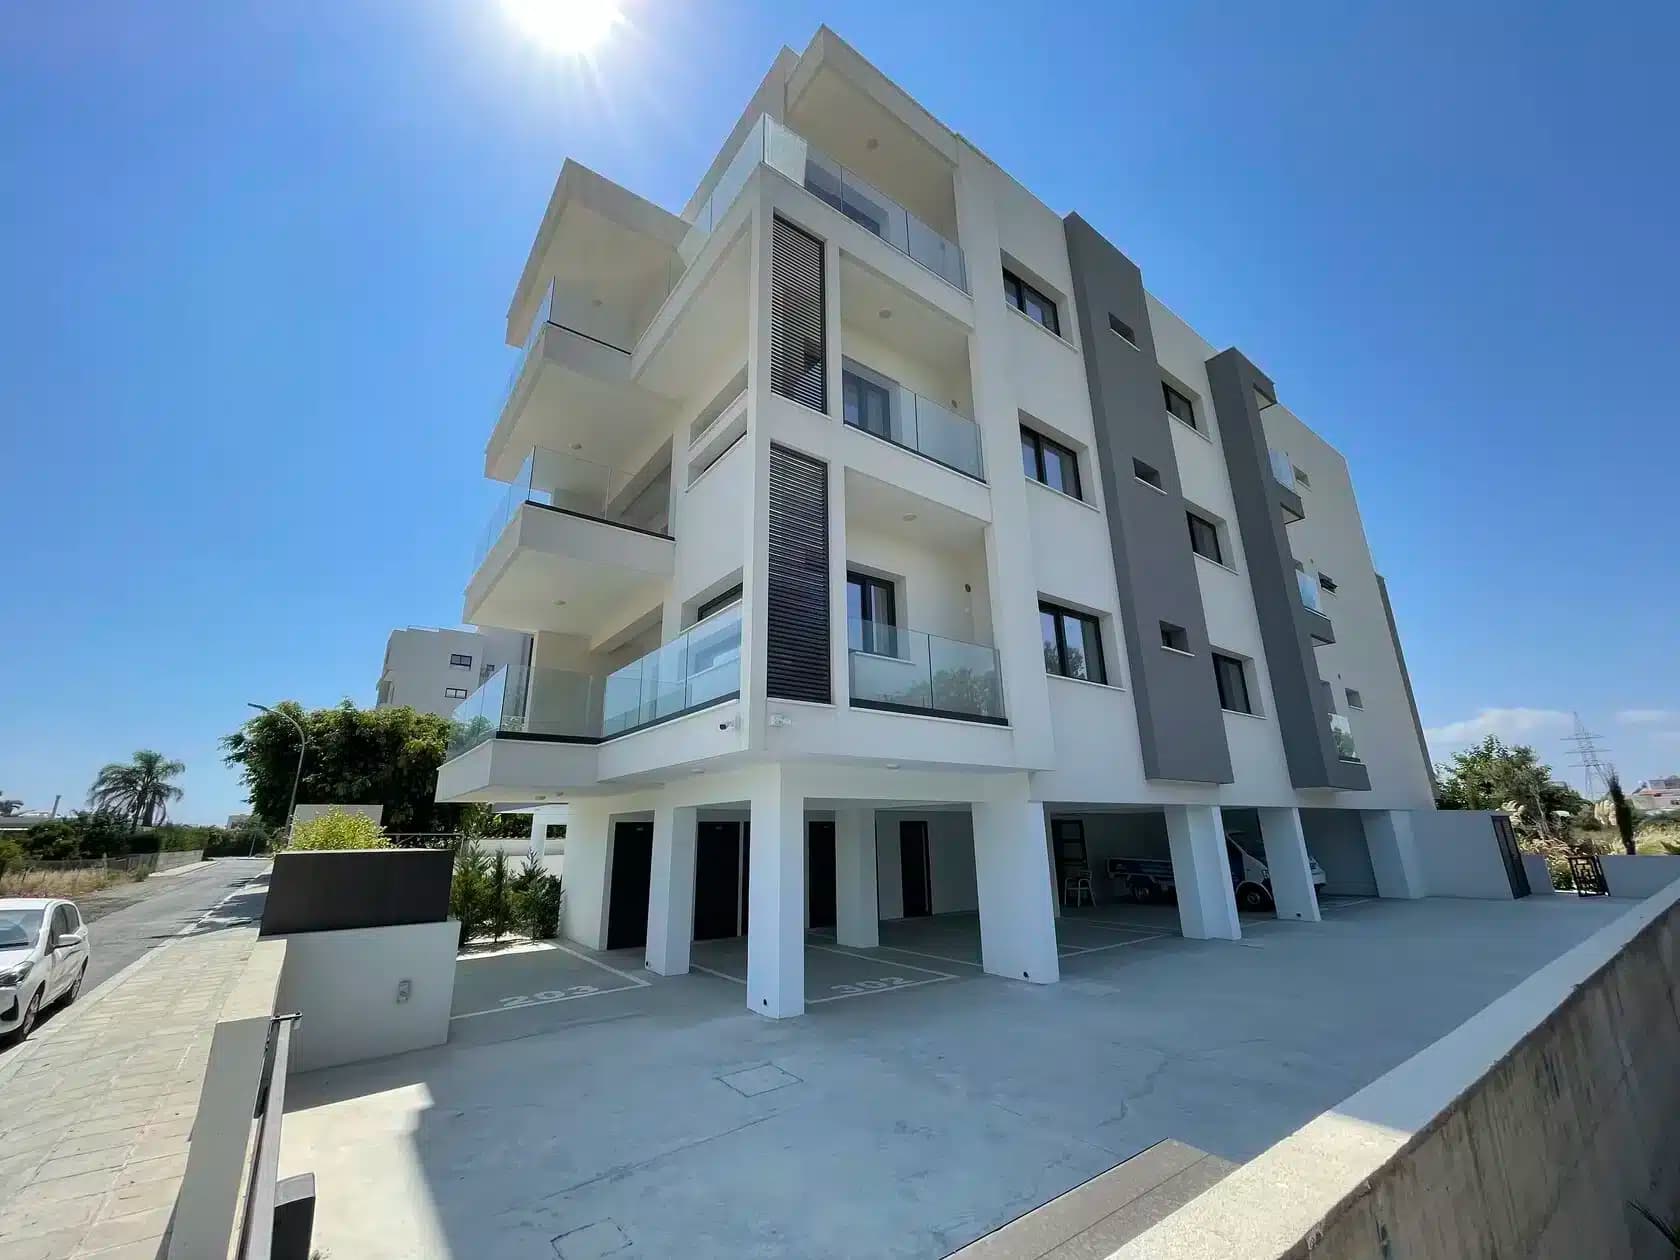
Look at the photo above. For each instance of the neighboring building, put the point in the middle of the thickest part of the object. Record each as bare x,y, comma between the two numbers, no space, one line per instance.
24,819
1658,794
882,508
434,670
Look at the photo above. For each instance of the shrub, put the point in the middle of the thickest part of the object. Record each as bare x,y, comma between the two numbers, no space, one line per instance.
468,888
498,908
339,829
10,855
536,899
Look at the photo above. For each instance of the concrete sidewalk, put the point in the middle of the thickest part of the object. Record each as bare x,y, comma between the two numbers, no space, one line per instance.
96,1109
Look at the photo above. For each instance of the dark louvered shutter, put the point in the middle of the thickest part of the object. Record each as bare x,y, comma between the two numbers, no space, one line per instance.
797,642
797,340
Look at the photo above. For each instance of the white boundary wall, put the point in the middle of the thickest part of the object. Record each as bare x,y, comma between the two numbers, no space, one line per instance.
1459,855
1639,875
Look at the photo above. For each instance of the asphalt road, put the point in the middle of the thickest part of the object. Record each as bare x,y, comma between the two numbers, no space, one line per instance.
170,904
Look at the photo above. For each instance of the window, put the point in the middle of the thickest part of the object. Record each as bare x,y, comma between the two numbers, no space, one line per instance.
458,660
1204,538
1355,700
1030,302
718,602
1148,474
1301,478
872,611
1072,644
1231,676
1122,329
1049,463
868,400
454,693
1327,582
1179,405
1175,638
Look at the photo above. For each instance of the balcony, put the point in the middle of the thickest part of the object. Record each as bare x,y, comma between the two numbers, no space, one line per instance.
553,704
1341,736
785,151
910,671
1283,473
697,669
878,405
571,528
1318,624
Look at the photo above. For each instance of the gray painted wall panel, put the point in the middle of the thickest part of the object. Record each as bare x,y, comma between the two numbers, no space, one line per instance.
1180,724
1299,695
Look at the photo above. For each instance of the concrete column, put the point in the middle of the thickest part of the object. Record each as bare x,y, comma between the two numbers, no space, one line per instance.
1017,915
584,914
1288,864
1207,904
670,929
776,901
857,918
1394,859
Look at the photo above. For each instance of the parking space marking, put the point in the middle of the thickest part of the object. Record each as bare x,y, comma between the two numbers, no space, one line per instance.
885,984
846,953
918,953
640,981
1097,949
546,997
1112,925
721,975
1339,904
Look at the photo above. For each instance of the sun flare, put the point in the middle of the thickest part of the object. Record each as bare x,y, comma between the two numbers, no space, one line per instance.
571,27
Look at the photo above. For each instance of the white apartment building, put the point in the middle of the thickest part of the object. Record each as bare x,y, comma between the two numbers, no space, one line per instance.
435,670
889,550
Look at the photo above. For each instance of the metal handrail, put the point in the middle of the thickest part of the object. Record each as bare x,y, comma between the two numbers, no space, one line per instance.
256,1230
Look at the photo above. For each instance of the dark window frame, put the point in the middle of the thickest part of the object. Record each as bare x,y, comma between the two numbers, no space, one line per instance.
1328,583
1153,480
1169,392
1354,698
1172,635
1220,682
460,660
1019,294
878,634
1121,329
455,693
1212,528
1035,441
717,603
1090,636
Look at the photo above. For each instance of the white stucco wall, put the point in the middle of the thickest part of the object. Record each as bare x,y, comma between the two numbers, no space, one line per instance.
345,985
1640,875
1459,855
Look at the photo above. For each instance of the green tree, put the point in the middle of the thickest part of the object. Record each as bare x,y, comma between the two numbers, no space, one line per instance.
1622,810
1494,775
386,757
139,790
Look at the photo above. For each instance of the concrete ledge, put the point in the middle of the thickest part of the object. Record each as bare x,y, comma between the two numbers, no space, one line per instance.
1521,1132
1639,875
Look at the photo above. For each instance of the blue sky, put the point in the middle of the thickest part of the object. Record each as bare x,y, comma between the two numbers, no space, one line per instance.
258,259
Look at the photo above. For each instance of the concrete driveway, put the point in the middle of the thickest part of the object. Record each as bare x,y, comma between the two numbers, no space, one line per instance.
585,1108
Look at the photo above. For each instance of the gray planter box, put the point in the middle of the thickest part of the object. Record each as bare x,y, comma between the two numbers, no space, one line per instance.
358,888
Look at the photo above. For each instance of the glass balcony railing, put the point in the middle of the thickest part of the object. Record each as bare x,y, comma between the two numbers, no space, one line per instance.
903,417
784,150
559,703
1283,470
699,666
575,485
693,670
912,671
1307,584
547,316
1341,735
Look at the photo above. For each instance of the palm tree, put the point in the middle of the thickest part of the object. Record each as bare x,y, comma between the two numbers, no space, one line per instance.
139,790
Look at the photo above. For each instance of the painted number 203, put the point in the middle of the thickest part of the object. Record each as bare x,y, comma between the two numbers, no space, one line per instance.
871,986
547,995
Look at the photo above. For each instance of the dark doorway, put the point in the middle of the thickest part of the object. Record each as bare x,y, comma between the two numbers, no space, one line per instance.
918,879
1071,858
718,890
819,873
632,868
1511,856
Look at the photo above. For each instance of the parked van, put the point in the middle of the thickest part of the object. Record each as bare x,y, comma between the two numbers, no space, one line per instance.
1151,879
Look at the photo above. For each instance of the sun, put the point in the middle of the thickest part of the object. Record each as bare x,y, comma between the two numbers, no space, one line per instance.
572,27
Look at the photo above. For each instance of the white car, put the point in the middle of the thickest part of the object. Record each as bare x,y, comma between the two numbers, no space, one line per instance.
43,957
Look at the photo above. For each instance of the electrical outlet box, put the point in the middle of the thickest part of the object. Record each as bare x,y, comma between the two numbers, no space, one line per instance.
405,990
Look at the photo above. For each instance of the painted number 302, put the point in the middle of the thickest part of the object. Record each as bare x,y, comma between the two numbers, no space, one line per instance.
871,986
548,995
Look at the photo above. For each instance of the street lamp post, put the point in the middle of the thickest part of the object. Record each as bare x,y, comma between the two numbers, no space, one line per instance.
297,776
